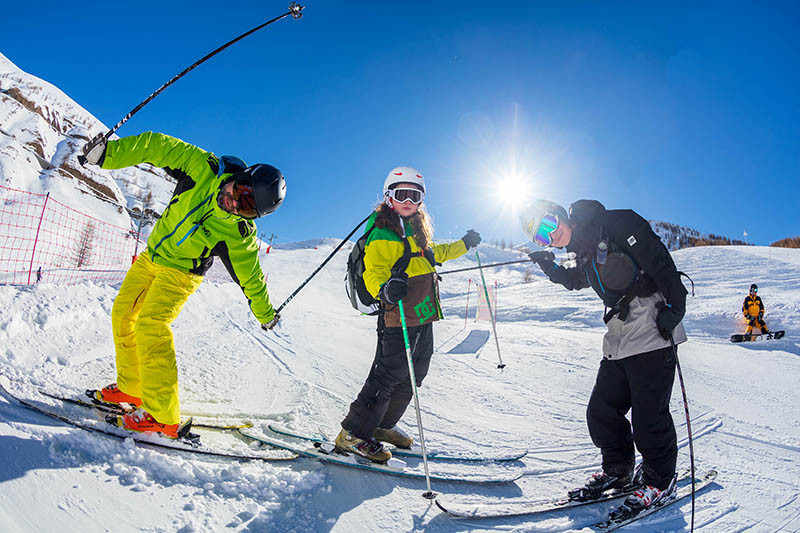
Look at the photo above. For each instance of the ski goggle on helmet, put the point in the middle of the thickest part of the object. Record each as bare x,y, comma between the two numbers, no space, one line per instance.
406,194
245,198
541,219
547,225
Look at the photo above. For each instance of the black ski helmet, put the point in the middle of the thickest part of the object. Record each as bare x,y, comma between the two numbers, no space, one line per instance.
269,186
753,288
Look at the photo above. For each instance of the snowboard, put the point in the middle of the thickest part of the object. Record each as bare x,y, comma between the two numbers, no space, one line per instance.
760,336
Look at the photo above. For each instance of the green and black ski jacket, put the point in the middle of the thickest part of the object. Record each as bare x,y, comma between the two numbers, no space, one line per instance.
194,228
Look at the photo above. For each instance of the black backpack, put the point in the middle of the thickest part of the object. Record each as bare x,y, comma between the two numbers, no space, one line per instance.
357,292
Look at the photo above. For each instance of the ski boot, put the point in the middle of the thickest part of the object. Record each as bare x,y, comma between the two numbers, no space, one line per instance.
143,422
111,395
601,482
370,448
393,435
643,498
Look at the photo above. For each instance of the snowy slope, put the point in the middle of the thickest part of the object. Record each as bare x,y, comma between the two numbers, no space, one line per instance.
304,376
41,133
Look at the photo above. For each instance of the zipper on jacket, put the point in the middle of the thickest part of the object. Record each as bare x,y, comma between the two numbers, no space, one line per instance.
170,234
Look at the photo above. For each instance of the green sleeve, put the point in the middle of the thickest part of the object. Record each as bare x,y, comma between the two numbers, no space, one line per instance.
240,256
157,149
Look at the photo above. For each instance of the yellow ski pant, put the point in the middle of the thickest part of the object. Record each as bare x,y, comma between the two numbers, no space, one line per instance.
150,299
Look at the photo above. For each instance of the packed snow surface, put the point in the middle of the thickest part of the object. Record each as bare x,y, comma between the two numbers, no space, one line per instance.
742,400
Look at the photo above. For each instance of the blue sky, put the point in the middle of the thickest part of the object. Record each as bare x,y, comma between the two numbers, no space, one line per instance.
684,113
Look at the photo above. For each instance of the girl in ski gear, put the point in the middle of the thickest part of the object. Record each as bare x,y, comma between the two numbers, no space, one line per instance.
400,261
619,256
753,310
210,214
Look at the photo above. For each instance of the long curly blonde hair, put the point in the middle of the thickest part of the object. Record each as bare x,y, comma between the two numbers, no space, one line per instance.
421,222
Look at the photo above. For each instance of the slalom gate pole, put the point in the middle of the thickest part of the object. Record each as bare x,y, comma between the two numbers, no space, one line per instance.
298,289
495,300
295,10
485,266
500,364
688,421
429,494
466,311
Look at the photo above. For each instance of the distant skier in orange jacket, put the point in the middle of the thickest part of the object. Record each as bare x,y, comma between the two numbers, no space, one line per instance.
753,309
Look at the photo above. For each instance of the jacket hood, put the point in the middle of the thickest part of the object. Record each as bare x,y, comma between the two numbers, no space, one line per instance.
586,230
584,211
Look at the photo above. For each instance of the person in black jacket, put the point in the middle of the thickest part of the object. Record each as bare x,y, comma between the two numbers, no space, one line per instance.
617,254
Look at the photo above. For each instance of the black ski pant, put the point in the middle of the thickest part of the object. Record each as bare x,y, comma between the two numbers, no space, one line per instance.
641,384
387,391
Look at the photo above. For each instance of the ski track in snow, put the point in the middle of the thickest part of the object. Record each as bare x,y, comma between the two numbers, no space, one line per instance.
304,375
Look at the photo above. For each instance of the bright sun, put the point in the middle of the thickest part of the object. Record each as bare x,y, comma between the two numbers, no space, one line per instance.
512,191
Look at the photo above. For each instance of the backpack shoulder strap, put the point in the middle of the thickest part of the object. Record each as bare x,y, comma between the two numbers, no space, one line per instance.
402,264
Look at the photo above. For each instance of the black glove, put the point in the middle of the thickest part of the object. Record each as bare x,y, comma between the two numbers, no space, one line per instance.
267,326
542,256
395,289
471,239
94,152
667,319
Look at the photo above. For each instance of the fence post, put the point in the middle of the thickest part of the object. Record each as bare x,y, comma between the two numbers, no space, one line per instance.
33,253
138,235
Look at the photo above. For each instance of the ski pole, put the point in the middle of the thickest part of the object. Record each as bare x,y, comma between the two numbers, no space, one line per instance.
429,494
466,311
688,421
491,316
295,10
485,266
298,289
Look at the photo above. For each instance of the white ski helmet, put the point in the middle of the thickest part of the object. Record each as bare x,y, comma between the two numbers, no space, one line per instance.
402,175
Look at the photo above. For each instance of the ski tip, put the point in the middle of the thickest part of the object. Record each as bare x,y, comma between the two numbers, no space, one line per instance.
440,506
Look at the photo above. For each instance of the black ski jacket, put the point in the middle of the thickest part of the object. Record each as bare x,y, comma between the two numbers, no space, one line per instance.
616,252
632,250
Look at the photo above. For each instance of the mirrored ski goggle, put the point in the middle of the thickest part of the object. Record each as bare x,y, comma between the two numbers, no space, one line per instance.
543,235
410,194
245,198
753,290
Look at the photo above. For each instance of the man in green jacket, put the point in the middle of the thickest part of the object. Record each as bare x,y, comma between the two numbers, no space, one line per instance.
210,214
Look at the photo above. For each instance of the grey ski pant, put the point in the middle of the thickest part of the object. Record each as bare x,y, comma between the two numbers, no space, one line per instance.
387,390
641,384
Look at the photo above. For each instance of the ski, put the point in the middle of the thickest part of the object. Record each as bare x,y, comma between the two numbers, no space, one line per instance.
327,452
190,444
415,451
681,493
520,508
120,410
759,336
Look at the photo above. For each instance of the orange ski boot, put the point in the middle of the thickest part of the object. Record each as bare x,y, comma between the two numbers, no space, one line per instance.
143,422
111,394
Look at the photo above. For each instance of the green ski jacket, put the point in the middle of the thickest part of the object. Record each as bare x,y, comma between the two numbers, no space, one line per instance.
194,228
